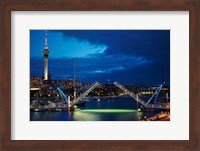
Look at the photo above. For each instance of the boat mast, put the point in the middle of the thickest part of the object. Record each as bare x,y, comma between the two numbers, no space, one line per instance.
74,80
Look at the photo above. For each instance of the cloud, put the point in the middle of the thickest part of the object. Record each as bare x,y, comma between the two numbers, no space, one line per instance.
100,64
127,55
130,40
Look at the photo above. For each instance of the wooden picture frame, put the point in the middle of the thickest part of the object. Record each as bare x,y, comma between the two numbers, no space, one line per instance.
7,6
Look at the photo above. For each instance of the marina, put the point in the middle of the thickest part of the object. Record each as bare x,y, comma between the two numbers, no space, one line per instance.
68,98
120,108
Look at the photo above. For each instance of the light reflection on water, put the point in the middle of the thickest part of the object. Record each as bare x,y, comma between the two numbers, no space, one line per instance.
107,110
118,109
105,115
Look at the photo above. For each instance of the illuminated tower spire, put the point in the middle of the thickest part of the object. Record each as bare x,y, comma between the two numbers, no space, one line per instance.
46,53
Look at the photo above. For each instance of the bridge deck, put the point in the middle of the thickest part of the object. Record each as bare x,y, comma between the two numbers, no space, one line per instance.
145,104
86,93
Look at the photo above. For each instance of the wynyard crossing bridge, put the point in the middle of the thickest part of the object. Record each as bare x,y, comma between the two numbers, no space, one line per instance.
146,104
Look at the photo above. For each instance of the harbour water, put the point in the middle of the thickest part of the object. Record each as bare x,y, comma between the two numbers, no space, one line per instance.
98,109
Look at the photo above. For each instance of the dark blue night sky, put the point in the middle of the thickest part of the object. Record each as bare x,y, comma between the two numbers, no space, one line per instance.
126,56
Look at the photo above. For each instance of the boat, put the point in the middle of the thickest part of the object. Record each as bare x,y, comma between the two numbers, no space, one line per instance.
37,110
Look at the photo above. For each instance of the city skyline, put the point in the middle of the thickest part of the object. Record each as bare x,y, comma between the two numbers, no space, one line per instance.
128,56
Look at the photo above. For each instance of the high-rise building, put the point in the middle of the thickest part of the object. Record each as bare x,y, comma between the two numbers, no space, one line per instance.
46,53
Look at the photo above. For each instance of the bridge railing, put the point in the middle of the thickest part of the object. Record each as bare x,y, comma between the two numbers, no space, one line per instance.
64,97
155,94
129,93
86,92
158,106
144,103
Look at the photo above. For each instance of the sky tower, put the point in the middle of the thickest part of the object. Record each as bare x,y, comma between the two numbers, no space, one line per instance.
46,53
